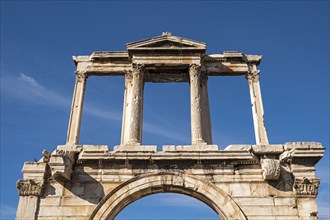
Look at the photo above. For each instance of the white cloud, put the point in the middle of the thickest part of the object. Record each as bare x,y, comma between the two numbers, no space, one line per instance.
27,88
168,132
24,78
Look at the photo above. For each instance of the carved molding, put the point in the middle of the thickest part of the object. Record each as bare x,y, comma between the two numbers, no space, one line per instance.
61,164
286,156
137,67
306,187
253,75
29,188
271,169
81,76
193,67
195,71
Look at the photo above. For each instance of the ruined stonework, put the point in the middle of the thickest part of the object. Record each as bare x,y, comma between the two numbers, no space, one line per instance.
261,181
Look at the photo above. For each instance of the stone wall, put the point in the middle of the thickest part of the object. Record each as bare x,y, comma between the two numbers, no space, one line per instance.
240,182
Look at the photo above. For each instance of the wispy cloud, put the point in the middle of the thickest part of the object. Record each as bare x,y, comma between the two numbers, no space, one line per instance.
7,212
168,132
26,88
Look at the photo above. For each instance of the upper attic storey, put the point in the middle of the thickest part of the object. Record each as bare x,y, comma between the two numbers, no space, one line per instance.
166,54
163,45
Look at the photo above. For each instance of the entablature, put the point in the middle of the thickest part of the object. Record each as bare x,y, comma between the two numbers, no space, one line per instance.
165,55
117,63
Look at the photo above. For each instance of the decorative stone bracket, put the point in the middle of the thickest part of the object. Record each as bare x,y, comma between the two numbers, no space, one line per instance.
30,187
61,163
306,187
271,169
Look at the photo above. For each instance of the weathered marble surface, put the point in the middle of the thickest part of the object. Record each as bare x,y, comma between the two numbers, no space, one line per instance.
81,182
232,181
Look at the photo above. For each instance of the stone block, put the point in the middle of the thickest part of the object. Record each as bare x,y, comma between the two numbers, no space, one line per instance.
196,147
50,201
238,148
77,212
27,208
255,201
34,170
271,169
268,149
93,189
95,148
302,145
136,148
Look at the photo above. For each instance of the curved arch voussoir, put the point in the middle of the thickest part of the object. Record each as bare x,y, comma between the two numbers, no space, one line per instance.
176,182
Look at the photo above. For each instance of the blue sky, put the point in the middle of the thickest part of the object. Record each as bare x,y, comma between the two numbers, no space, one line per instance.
38,39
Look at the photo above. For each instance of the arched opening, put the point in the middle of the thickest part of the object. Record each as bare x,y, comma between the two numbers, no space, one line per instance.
175,182
167,206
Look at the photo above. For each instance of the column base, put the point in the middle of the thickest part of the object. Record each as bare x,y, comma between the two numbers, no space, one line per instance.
194,147
136,148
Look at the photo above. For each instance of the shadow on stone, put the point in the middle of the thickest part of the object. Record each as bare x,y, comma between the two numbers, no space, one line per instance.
49,190
285,182
82,185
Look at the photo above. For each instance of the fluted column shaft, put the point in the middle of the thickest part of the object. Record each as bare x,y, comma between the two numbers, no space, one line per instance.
133,106
195,104
257,106
76,109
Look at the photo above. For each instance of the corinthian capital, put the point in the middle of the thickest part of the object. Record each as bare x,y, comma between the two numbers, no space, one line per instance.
194,70
29,188
137,67
80,76
253,75
306,187
195,67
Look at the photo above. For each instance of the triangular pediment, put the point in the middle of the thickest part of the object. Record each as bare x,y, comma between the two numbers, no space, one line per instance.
166,42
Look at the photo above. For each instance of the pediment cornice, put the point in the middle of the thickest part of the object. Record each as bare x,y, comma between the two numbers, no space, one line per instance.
166,42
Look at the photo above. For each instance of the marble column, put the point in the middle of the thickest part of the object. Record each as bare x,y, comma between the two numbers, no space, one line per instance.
133,106
196,104
76,109
205,107
257,106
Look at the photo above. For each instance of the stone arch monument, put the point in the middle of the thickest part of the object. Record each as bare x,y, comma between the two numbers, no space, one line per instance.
261,181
